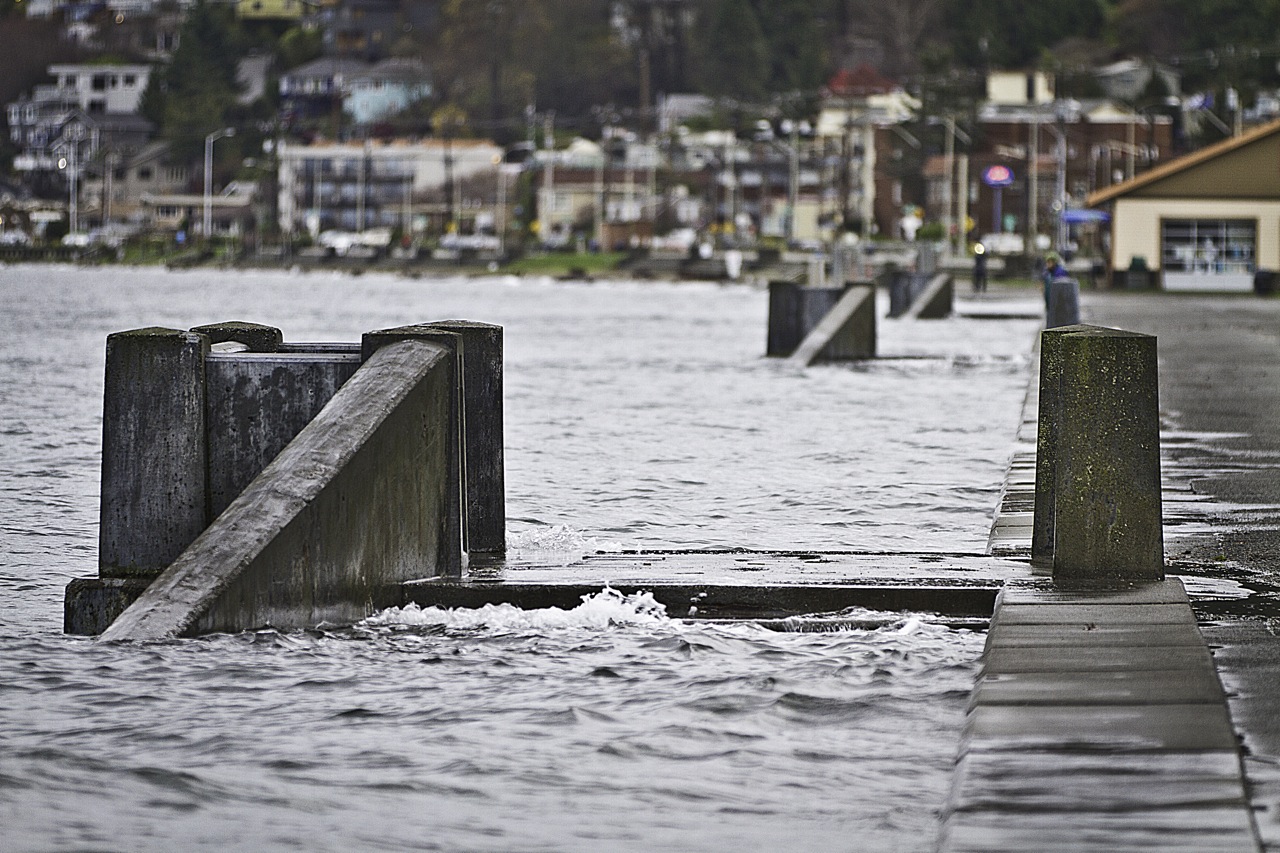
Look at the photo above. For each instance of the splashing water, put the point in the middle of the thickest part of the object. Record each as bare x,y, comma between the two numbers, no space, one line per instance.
558,544
605,609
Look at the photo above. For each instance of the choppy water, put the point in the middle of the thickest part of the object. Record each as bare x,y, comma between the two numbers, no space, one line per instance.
638,414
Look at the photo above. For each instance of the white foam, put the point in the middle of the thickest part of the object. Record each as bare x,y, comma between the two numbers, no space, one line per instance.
558,544
604,609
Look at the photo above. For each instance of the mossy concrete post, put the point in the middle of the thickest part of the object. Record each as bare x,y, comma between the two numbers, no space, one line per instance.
1102,439
154,500
370,343
485,531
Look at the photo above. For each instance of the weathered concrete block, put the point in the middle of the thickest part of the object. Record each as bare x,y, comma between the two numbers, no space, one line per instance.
256,403
794,311
905,288
485,531
91,604
1050,420
361,501
256,337
1100,440
154,500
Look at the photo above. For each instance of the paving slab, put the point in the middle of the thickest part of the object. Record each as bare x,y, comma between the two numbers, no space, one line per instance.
1091,634
1124,687
1047,591
1067,781
1064,659
1223,829
1107,728
733,583
1097,614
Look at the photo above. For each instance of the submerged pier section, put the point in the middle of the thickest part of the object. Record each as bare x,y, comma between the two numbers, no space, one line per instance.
247,481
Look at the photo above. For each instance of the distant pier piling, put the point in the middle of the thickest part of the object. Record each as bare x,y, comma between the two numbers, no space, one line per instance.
817,324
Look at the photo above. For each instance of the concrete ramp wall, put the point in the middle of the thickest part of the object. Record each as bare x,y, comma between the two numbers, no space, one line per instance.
359,502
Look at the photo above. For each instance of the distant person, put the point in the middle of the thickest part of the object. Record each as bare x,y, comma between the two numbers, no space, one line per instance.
1053,270
979,268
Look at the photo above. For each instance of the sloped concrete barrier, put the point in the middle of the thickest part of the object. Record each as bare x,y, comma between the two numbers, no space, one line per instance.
934,301
1097,500
847,332
358,503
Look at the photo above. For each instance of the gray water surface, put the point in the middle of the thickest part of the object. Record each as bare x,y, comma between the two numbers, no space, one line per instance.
638,415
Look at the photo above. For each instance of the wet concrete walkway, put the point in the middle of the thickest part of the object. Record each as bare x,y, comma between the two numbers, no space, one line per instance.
1099,721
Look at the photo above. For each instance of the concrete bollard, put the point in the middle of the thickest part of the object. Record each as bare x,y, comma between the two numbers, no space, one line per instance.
154,501
1097,501
1063,303
485,531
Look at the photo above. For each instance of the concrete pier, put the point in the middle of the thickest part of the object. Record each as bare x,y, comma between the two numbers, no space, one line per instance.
199,422
357,504
847,332
794,311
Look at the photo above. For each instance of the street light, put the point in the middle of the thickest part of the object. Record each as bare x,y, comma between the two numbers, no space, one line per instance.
208,176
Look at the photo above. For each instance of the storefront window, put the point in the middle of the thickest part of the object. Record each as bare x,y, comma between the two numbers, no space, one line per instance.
1208,246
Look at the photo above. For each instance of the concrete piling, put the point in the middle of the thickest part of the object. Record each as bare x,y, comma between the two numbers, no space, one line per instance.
256,337
484,465
846,333
1097,503
257,402
154,501
357,504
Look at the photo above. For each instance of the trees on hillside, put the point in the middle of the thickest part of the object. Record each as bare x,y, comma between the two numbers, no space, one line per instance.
196,93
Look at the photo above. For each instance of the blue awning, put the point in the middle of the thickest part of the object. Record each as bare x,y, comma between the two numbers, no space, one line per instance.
1084,215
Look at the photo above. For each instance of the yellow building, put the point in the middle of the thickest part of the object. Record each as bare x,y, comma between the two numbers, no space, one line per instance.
1204,222
274,10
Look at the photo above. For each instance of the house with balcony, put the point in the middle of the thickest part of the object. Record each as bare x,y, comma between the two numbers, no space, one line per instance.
415,186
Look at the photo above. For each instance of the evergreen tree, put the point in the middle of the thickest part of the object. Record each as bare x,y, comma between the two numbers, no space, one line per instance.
196,94
794,40
735,55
